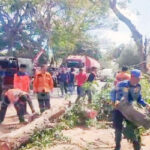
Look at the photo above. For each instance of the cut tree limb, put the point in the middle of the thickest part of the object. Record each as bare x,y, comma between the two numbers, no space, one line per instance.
15,139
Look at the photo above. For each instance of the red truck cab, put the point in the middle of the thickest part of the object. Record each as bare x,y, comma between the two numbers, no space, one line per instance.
85,62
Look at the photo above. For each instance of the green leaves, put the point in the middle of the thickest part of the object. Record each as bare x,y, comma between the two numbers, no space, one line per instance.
46,138
131,132
145,88
62,24
70,29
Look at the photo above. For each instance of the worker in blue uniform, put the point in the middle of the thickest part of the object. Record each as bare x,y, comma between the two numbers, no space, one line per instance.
131,91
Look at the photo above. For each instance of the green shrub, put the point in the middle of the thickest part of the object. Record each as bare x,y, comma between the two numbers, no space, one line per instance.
102,103
145,88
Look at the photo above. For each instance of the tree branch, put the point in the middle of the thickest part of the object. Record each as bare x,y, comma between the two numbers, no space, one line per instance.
135,33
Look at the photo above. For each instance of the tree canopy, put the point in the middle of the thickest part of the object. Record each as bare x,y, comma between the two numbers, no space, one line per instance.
26,26
19,32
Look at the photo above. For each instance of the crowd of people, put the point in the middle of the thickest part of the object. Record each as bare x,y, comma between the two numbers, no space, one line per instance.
43,84
19,95
68,79
127,87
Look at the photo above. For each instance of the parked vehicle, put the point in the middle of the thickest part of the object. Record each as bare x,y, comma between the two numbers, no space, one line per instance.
78,61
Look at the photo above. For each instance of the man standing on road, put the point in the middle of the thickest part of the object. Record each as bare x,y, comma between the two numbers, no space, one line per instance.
90,79
71,81
63,79
130,90
22,80
80,79
43,84
123,75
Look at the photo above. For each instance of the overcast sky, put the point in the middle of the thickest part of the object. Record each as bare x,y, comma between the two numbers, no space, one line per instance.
143,20
139,13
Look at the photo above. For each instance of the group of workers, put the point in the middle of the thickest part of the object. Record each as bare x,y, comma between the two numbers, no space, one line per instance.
81,79
43,84
67,80
127,87
19,94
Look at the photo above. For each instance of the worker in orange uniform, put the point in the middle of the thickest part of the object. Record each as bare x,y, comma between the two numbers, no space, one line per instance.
22,80
19,99
121,76
43,84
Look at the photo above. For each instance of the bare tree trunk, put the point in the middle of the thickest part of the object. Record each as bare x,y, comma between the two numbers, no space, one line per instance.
15,139
136,35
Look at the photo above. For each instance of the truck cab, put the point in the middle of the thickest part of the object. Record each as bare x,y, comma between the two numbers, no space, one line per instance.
81,61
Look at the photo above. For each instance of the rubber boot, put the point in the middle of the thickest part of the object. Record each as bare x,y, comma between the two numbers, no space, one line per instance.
118,135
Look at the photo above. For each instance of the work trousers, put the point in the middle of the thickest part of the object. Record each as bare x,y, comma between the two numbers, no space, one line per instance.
118,119
19,106
44,101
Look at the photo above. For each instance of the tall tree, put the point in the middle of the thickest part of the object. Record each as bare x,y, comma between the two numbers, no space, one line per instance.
70,28
88,46
29,25
137,36
18,28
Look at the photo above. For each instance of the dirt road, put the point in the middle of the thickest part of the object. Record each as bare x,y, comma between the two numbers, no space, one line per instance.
80,138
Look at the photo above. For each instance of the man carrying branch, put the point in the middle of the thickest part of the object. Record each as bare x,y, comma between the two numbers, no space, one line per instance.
131,91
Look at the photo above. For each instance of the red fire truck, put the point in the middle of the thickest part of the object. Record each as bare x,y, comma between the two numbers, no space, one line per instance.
78,61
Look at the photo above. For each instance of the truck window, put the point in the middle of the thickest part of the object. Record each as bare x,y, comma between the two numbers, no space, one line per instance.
74,64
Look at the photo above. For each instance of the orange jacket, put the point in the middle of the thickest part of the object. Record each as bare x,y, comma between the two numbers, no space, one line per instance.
121,77
43,82
22,82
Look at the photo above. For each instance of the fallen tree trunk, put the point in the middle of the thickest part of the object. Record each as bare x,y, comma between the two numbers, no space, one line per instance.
13,140
135,114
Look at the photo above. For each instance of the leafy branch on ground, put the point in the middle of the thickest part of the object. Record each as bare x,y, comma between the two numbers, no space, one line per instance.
46,138
76,116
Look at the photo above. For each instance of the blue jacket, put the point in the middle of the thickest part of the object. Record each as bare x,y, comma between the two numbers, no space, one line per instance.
62,77
130,92
71,77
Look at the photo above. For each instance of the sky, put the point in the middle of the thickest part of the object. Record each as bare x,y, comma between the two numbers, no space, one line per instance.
143,20
139,13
